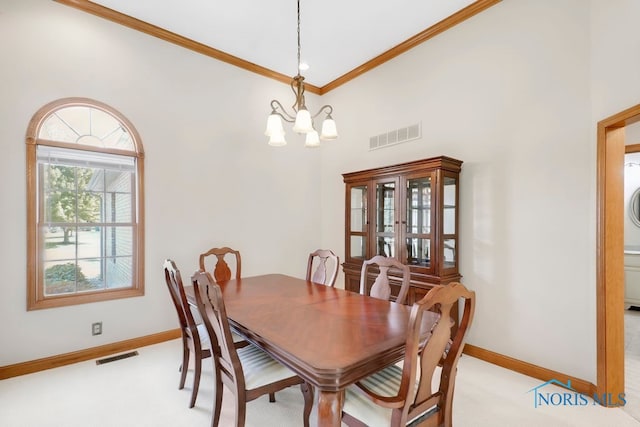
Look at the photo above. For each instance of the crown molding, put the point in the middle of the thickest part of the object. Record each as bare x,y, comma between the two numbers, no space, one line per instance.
438,28
155,31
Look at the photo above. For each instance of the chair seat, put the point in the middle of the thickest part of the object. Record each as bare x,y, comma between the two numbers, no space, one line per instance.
384,383
237,337
260,368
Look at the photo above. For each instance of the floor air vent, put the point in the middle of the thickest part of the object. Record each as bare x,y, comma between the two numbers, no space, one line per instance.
397,136
117,357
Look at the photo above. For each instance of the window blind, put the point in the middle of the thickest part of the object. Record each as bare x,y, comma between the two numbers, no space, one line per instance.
86,159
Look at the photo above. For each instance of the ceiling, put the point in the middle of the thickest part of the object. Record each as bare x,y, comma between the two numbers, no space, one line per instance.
337,36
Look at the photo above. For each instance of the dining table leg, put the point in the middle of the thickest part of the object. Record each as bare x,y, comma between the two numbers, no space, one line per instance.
330,408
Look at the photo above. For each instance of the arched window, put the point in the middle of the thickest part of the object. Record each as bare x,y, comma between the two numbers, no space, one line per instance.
85,234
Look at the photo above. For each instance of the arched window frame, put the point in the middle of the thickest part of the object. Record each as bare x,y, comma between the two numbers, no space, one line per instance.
36,298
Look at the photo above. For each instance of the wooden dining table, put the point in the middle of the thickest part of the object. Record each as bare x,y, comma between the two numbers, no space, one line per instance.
328,336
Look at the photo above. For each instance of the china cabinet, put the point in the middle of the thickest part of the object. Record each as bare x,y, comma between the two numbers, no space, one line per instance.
407,211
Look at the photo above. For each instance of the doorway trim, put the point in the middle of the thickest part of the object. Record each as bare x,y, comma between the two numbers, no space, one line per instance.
610,250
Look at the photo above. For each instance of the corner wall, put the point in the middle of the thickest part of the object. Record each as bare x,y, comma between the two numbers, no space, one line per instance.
509,93
210,177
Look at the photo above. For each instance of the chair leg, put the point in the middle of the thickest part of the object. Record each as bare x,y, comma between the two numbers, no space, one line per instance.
272,397
217,402
307,393
241,410
185,365
196,379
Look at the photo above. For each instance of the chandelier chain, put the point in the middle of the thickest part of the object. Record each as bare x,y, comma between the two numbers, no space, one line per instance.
301,117
298,65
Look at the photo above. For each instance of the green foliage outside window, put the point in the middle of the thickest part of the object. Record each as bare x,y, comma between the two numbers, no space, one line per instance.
66,197
63,278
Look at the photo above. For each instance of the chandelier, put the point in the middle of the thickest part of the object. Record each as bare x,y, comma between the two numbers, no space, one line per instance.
301,118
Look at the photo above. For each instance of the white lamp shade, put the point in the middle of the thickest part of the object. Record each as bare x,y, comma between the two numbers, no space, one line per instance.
303,121
312,139
274,125
329,130
277,140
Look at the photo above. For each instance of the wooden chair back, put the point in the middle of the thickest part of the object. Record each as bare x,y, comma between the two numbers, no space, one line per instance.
441,349
179,297
227,365
381,288
191,337
327,265
221,270
215,319
417,401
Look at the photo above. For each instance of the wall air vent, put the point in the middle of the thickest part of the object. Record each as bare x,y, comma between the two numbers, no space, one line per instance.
394,137
117,357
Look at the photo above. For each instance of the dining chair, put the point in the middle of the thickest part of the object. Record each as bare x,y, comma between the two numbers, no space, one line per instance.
381,288
221,271
248,372
324,274
195,339
400,396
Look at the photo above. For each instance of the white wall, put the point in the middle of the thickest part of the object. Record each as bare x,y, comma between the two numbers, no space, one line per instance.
211,179
515,92
615,41
507,92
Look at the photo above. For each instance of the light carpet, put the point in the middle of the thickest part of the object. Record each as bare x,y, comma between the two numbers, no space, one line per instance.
142,391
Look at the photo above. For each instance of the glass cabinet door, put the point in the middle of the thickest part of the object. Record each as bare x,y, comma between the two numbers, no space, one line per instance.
358,222
418,233
449,224
408,212
385,226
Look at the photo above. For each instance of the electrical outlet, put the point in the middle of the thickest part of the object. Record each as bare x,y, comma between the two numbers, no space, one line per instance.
96,328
